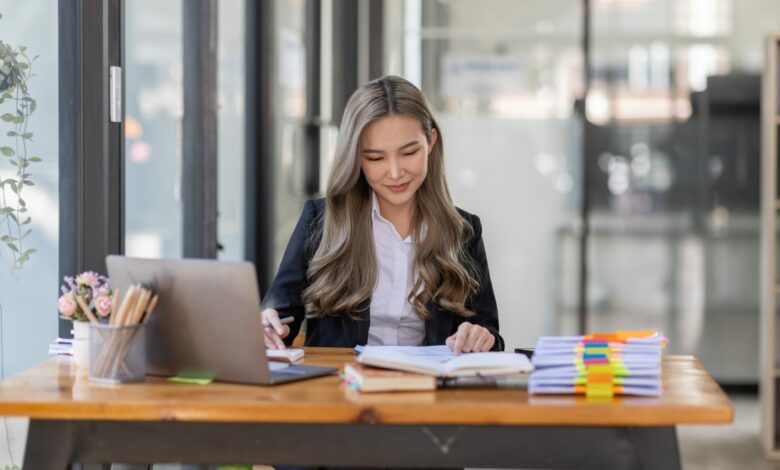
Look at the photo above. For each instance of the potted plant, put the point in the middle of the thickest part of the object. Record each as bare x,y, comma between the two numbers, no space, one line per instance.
16,107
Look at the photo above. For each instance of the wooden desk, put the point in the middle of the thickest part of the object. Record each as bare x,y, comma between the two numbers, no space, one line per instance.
316,422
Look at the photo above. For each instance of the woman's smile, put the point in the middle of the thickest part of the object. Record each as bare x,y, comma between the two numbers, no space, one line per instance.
399,188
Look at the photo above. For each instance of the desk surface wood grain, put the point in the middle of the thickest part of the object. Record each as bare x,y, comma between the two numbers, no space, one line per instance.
54,390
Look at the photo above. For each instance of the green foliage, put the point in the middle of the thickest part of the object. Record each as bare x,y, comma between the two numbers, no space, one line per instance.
16,107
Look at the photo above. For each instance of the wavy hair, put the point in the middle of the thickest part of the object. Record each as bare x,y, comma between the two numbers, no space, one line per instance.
340,277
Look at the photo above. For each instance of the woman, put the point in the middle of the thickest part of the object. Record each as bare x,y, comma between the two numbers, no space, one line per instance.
386,258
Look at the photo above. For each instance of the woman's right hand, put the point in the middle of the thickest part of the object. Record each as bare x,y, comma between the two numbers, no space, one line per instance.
274,331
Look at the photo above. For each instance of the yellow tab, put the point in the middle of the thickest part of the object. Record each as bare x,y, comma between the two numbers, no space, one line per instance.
599,393
600,369
597,351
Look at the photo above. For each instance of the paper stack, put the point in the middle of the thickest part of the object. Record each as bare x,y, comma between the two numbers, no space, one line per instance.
61,347
599,365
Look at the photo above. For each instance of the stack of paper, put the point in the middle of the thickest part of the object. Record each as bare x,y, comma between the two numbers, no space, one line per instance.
61,346
599,365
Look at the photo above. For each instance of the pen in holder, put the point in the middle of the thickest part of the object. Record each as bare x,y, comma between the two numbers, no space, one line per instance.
118,350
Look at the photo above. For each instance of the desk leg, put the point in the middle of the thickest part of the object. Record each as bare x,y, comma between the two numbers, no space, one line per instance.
49,445
655,447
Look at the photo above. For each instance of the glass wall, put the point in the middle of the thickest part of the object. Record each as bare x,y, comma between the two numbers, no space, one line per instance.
673,152
230,141
153,128
290,111
503,88
29,212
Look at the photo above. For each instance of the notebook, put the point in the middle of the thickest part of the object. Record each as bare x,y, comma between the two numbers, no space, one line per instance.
373,379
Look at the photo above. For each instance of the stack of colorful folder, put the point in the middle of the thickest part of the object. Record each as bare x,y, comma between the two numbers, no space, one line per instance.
599,365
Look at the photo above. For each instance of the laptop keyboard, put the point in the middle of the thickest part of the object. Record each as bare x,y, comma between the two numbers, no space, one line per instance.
276,365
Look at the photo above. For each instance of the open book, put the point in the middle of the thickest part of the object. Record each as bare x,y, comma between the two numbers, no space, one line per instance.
439,361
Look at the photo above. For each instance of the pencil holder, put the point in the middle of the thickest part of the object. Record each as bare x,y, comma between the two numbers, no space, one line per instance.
117,354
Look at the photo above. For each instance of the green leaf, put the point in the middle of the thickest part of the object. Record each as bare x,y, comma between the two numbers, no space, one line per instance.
26,221
6,210
11,134
7,151
29,231
33,106
22,66
27,135
22,202
34,159
31,250
28,183
22,48
8,117
13,247
5,238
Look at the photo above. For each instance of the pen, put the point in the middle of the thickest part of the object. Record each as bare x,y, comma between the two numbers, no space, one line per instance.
283,321
527,352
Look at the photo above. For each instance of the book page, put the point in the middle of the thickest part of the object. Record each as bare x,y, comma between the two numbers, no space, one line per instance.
489,360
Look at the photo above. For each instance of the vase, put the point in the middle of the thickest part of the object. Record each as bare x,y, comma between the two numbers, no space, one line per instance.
81,344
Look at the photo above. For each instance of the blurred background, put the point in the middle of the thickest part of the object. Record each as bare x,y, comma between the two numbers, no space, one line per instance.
610,147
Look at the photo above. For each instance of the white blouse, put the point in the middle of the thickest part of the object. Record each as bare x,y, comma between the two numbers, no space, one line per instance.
393,321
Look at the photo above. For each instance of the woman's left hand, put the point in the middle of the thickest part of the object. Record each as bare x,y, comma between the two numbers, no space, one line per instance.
471,338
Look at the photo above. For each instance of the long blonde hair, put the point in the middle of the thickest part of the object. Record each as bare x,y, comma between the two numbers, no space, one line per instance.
343,271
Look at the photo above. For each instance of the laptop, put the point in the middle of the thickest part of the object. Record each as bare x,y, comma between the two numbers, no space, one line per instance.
207,322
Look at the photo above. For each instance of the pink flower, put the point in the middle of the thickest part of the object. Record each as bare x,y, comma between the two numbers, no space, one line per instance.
88,278
67,304
103,305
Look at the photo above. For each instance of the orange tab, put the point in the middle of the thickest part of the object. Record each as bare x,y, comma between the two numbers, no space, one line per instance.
626,334
600,378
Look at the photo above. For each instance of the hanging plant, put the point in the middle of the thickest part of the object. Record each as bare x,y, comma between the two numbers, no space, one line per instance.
16,107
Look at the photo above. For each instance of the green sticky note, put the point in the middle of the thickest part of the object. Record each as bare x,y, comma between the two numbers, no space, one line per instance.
193,376
190,380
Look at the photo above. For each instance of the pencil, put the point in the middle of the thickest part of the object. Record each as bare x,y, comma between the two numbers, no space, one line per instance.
283,321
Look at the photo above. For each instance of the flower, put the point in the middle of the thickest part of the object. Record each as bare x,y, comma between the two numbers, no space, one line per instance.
67,304
89,289
103,305
88,278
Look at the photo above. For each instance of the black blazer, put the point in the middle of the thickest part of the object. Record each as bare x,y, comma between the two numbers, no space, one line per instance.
285,293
